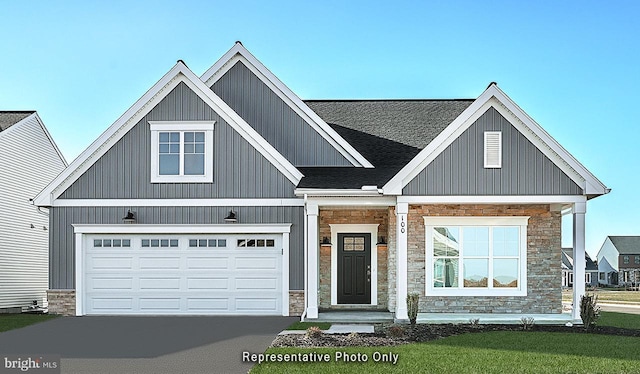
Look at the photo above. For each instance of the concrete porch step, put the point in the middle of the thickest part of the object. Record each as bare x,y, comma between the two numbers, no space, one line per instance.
354,316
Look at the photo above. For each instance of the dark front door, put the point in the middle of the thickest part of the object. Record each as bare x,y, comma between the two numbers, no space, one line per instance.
354,268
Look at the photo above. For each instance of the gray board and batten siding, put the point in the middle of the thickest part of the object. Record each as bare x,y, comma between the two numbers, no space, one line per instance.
123,172
61,237
274,120
239,170
459,169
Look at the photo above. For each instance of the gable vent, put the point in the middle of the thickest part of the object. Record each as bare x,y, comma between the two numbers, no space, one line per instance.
492,149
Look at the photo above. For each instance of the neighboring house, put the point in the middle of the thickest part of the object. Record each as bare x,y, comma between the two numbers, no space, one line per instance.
619,261
29,160
591,269
244,199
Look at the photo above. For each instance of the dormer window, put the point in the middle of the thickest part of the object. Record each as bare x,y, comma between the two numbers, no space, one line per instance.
182,152
493,149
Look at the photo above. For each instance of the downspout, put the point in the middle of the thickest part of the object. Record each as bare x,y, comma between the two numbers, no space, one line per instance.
306,259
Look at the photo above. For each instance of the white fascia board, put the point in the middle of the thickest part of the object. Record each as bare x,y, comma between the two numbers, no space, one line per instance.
227,228
594,185
176,202
365,202
496,98
179,73
239,53
243,128
334,192
112,134
395,185
501,199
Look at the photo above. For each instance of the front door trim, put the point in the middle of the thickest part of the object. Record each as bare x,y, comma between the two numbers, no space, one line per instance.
351,229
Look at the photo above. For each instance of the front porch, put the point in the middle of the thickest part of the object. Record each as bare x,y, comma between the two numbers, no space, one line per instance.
390,242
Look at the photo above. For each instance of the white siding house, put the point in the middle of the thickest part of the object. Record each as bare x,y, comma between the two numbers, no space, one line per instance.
29,160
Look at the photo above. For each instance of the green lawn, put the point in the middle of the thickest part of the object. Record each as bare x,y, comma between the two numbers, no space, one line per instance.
491,352
306,325
16,321
627,321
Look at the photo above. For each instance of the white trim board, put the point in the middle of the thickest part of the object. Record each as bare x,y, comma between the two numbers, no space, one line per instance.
184,229
239,53
496,98
178,202
179,73
352,229
493,199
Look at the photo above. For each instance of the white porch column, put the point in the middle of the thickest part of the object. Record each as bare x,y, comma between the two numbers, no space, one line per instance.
312,261
579,210
401,260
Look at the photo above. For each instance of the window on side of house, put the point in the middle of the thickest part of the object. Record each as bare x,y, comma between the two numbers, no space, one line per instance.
602,276
182,152
636,259
625,259
492,149
587,278
476,256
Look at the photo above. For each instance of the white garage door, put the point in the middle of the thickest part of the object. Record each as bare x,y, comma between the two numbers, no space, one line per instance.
183,274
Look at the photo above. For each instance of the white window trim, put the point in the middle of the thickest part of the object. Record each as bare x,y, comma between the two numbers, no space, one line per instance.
587,278
431,222
181,126
498,165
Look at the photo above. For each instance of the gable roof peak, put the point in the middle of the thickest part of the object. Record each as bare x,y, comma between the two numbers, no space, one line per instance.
238,53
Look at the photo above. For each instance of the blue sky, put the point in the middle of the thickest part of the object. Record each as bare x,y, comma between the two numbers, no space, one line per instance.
572,65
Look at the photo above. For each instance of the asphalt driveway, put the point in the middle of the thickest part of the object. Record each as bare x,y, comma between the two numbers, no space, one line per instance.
147,344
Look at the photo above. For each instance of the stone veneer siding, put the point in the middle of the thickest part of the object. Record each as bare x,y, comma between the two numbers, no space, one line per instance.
296,303
543,261
62,302
352,216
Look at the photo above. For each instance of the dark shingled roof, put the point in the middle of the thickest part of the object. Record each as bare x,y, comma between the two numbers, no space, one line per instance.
10,118
626,245
388,133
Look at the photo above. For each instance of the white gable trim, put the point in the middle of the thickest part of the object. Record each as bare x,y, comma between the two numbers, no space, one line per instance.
179,73
240,53
494,97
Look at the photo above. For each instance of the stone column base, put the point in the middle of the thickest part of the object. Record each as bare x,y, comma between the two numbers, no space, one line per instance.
62,302
296,303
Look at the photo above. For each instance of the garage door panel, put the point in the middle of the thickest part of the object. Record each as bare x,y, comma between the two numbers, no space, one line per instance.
208,304
152,263
207,263
182,279
256,304
257,284
97,283
207,283
159,283
164,304
104,304
108,262
256,263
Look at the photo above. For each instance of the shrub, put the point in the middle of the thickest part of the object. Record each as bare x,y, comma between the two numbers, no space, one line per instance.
412,307
475,322
395,331
314,332
527,322
589,310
